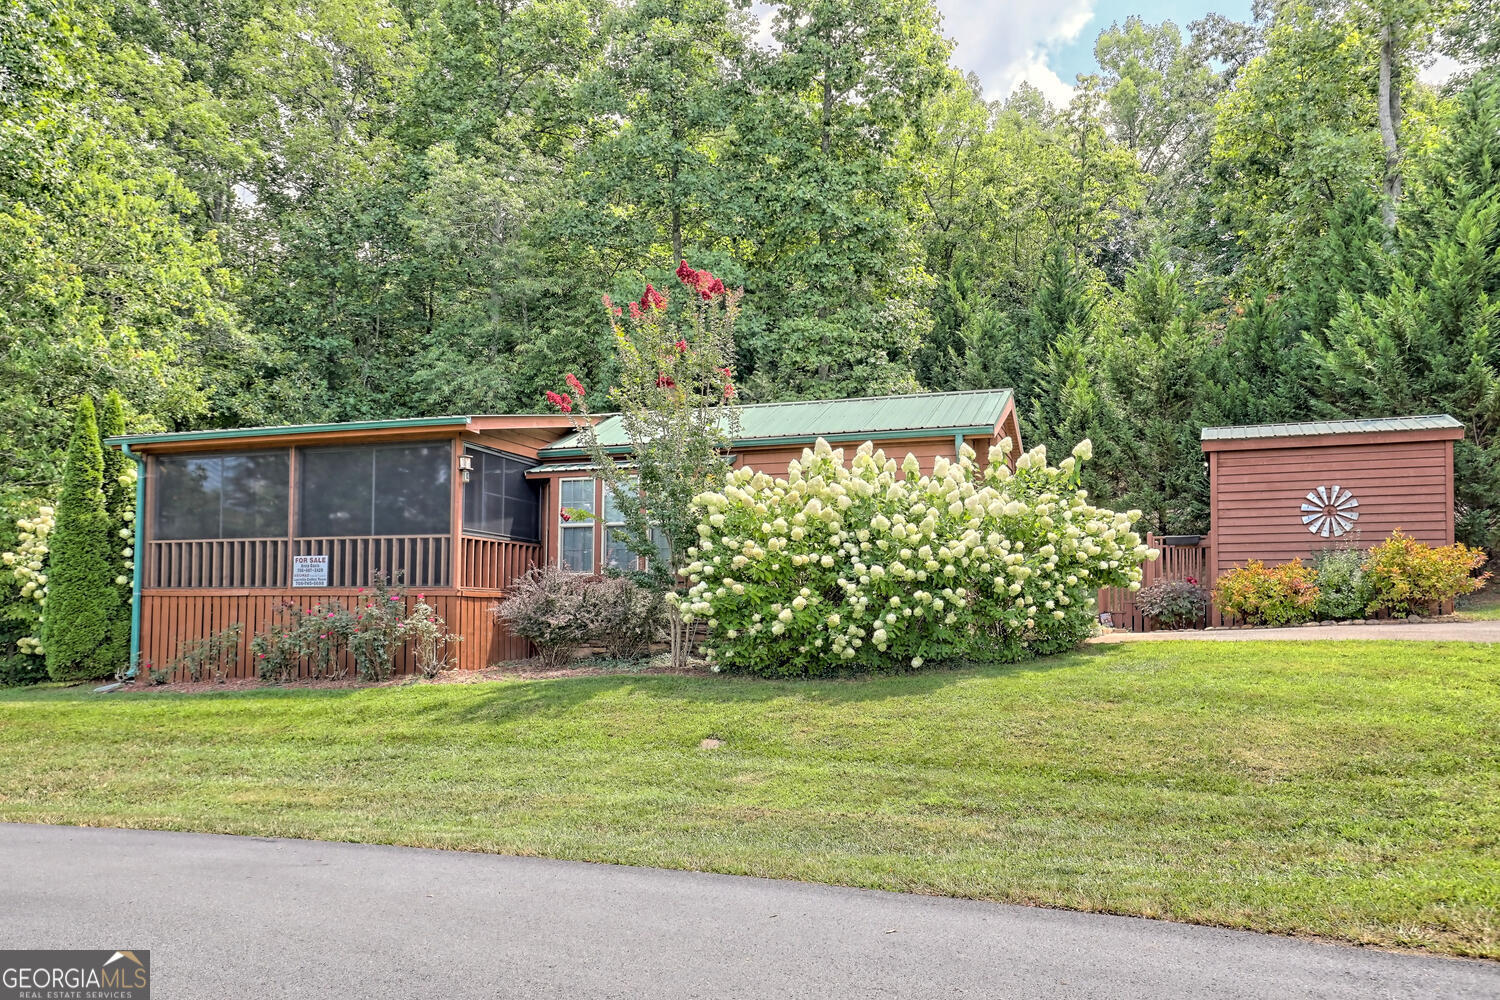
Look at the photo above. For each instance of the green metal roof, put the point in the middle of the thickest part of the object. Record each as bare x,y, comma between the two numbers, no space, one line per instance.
1375,425
284,431
868,418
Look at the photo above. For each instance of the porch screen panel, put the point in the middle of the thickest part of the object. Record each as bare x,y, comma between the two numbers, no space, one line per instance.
498,498
242,495
374,490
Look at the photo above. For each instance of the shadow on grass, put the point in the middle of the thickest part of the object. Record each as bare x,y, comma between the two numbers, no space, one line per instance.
506,701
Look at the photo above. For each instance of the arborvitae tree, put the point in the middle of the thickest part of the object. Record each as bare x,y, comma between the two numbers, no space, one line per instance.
1258,372
119,505
1070,403
82,599
1153,365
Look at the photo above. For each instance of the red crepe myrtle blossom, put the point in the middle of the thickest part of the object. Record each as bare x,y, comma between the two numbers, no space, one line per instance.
566,516
1191,582
573,382
562,401
714,287
665,381
652,299
687,275
728,390
681,346
609,303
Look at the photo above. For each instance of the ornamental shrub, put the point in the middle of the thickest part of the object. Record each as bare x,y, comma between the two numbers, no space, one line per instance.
559,612
1173,603
1342,589
82,599
546,607
876,567
1406,576
1269,595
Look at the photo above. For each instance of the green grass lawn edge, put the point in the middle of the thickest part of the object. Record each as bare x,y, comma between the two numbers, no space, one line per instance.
1346,790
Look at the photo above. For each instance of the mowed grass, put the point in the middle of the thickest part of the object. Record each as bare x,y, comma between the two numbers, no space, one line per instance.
1345,789
1483,606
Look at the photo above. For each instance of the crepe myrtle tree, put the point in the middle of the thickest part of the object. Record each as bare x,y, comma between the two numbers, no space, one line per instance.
676,399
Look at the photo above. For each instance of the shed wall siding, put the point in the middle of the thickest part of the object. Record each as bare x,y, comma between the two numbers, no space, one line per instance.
1257,496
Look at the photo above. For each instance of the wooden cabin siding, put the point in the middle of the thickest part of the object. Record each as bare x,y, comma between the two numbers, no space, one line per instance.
775,461
1257,495
171,618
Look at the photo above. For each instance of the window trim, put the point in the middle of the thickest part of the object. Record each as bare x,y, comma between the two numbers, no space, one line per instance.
565,526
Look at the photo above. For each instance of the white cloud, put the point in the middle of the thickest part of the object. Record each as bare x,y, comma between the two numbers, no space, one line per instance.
1008,42
1441,69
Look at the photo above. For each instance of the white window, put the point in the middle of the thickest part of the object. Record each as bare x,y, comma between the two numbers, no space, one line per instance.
576,525
663,547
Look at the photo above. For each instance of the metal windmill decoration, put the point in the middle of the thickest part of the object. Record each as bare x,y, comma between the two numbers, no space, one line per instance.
1330,511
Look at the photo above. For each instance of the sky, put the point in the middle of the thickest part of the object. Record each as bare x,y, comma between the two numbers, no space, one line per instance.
1049,42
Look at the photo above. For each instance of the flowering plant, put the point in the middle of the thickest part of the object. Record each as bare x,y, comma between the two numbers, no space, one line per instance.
877,567
675,397
1173,603
1403,575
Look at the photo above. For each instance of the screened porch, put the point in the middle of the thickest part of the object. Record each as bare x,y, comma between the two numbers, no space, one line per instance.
247,519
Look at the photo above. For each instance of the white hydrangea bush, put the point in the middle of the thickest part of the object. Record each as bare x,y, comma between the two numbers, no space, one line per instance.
876,567
27,565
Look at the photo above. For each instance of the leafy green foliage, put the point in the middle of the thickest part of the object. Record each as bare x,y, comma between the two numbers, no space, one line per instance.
1343,590
1405,576
83,602
1286,594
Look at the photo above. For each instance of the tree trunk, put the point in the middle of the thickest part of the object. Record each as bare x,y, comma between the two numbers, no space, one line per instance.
1390,123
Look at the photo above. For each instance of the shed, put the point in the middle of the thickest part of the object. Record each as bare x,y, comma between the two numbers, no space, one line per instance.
1282,491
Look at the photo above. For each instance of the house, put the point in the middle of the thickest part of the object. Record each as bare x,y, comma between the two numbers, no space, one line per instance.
236,523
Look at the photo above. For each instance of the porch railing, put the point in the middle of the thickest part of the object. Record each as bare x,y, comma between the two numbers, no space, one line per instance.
254,563
1176,562
492,563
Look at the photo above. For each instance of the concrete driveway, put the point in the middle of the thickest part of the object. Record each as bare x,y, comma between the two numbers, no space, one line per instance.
1482,631
232,917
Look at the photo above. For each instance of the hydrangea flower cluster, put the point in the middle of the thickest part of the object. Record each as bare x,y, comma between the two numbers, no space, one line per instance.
26,564
877,567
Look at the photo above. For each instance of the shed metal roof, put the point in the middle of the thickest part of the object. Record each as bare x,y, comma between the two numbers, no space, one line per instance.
1306,428
872,417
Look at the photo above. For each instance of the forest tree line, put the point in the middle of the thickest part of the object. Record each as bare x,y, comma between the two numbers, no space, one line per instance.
266,211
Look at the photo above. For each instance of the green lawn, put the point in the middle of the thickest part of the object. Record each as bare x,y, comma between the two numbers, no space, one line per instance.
1338,788
1483,606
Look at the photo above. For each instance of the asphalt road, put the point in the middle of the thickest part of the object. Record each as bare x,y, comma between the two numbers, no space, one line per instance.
232,917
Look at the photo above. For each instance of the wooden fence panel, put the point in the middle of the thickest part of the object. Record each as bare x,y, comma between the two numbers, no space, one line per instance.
1176,562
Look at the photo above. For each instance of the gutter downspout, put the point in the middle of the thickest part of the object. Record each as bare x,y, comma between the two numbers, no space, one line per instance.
958,446
137,560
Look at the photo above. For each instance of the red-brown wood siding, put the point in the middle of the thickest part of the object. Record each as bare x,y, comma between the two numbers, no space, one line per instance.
171,618
1257,495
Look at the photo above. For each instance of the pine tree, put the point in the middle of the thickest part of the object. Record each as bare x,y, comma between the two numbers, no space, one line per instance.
119,505
82,599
